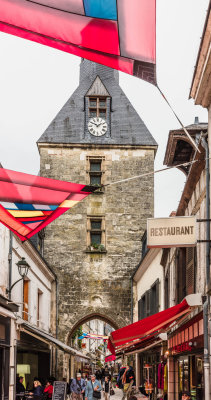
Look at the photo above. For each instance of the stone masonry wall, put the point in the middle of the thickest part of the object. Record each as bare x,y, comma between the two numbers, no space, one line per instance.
98,283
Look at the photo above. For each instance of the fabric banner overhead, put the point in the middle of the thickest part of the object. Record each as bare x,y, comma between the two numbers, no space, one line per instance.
28,203
93,336
118,33
150,327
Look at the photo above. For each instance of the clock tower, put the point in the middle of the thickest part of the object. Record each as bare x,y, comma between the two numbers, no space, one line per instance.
97,138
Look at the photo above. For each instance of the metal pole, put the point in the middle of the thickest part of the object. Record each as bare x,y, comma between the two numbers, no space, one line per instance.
207,276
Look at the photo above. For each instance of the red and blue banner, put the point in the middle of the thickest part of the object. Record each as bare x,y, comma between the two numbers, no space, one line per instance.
28,203
93,336
118,33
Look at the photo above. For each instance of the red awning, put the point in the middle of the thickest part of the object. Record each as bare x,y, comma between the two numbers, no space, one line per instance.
147,329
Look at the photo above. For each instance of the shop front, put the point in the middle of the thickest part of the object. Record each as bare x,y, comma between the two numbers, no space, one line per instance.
7,346
81,363
151,371
4,356
33,359
186,347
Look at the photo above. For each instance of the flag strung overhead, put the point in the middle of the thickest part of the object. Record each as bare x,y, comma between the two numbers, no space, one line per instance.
93,336
29,203
118,33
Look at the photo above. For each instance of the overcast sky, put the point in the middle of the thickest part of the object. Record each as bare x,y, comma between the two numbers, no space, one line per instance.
36,81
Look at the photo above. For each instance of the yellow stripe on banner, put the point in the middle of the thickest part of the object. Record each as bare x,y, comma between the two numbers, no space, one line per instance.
24,213
68,203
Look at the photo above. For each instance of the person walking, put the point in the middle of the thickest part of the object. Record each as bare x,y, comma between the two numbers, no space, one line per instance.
77,387
119,378
107,388
93,389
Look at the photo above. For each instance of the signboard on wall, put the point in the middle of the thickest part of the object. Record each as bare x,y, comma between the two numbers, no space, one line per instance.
171,232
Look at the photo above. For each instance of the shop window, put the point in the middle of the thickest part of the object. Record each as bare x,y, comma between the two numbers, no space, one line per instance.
97,107
96,233
25,299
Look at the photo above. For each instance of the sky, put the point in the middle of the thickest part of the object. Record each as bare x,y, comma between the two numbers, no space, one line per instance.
36,81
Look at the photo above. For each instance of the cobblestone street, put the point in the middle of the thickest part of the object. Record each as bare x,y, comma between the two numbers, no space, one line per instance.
118,394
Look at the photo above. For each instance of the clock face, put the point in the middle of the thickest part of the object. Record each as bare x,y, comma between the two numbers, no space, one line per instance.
97,126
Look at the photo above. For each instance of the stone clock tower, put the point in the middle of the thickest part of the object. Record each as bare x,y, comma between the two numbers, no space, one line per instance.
98,138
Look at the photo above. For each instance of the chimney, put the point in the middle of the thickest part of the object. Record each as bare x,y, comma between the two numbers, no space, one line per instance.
196,121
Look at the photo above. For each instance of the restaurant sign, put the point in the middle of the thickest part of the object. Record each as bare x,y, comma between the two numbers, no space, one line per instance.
171,232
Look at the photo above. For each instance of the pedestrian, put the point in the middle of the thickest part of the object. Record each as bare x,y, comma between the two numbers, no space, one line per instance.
19,385
48,391
119,378
107,388
93,389
128,376
77,387
99,374
186,396
107,373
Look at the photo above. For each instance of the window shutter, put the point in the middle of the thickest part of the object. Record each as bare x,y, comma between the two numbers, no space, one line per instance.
140,309
181,273
148,303
190,270
154,298
152,302
157,297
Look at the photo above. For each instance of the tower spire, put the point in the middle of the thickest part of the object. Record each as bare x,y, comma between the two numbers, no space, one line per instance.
91,69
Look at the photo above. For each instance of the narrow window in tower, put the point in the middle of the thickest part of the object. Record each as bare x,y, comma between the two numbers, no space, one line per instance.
97,107
95,172
96,233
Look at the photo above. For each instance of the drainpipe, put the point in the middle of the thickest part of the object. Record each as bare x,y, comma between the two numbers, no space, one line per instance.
207,301
10,262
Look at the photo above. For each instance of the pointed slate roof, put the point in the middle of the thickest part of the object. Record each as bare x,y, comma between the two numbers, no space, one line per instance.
127,128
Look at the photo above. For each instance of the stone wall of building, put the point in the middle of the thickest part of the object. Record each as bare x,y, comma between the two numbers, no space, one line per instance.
98,283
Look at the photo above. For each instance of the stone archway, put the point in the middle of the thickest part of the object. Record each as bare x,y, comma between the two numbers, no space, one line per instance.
90,317
115,321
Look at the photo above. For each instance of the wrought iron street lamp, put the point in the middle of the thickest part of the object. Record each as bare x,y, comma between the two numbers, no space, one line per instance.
23,268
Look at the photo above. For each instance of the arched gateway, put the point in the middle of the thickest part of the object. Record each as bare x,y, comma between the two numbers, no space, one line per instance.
90,317
96,138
